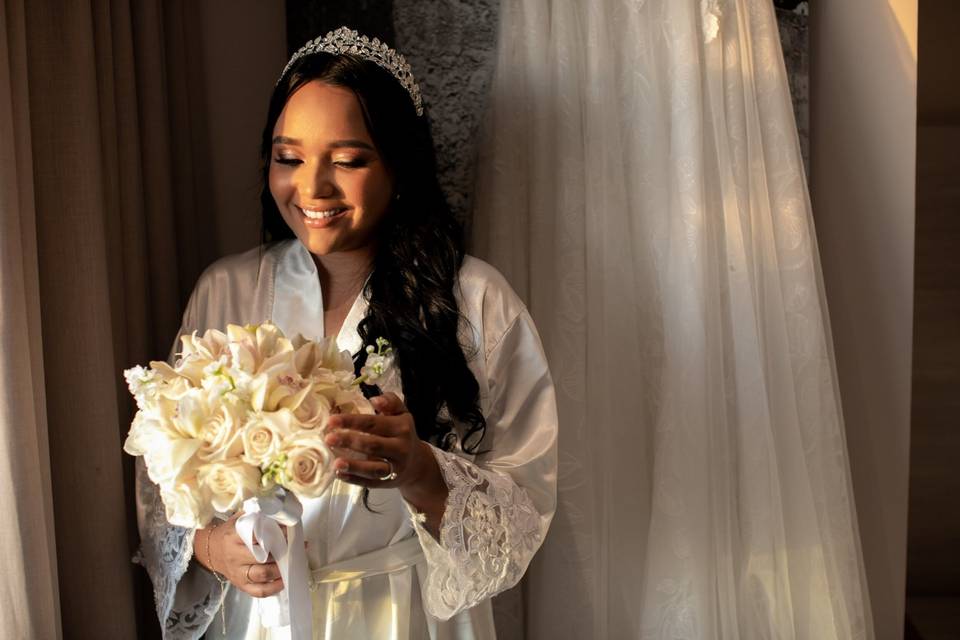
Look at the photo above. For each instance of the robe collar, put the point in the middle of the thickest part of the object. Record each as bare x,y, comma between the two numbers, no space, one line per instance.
298,300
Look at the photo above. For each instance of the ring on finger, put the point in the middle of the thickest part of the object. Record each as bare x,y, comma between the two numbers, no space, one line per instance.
391,475
249,580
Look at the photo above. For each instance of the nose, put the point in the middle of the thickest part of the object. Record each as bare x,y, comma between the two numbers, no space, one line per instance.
316,181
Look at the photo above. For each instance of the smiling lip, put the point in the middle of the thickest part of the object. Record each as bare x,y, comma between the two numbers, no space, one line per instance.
321,218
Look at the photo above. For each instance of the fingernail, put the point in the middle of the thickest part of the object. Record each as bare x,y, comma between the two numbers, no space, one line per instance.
332,440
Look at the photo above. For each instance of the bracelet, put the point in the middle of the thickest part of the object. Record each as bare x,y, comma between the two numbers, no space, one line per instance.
210,557
220,578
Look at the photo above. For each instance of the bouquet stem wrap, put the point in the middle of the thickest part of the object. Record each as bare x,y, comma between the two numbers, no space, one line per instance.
259,528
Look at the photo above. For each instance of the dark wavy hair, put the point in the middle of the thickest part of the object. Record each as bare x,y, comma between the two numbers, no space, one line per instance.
420,249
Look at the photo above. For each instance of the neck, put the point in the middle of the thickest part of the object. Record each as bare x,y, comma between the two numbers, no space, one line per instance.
342,275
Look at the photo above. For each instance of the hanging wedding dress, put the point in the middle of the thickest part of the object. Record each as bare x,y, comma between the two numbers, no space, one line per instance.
640,184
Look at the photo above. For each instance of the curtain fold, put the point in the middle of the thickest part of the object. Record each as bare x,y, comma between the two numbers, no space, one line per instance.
29,599
100,248
641,185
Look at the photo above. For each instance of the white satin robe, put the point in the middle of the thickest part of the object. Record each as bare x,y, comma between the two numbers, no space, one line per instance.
500,502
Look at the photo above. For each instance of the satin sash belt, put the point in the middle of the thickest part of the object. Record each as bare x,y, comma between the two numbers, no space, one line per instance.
389,559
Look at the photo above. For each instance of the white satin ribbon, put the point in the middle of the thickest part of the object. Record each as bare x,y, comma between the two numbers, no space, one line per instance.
259,528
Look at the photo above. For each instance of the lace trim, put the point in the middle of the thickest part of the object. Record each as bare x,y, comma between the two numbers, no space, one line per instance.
489,532
165,552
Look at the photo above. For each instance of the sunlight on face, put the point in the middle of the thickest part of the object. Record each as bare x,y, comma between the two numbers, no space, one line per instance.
327,178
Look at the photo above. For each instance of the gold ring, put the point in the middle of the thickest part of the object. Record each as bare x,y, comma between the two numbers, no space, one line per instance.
249,581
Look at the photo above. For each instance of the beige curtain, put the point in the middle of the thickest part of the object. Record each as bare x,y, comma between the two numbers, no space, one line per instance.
100,244
28,592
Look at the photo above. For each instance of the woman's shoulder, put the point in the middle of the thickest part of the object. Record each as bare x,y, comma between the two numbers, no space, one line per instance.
244,267
488,300
480,274
235,287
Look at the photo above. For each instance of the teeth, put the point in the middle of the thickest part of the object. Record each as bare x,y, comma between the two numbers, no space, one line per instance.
320,215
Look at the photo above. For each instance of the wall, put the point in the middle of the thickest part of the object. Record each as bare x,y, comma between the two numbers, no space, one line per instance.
243,50
863,152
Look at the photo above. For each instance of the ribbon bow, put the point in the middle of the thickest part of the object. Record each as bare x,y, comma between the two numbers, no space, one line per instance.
259,528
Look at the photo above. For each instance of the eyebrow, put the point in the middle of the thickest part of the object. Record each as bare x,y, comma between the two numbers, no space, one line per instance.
337,144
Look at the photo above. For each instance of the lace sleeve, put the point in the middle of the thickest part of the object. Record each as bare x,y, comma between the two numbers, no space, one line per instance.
499,506
187,596
489,533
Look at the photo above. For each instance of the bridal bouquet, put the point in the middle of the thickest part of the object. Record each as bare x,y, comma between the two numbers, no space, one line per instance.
240,415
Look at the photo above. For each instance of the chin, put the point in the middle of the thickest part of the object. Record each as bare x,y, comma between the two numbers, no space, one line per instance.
318,246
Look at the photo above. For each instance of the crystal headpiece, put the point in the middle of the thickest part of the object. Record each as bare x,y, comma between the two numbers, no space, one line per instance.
346,40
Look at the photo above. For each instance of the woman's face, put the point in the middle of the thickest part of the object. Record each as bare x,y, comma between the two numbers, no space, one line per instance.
327,178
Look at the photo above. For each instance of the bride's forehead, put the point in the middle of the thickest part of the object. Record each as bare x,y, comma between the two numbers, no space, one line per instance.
321,109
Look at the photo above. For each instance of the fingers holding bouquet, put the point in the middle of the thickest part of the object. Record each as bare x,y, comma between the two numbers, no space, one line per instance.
220,549
380,450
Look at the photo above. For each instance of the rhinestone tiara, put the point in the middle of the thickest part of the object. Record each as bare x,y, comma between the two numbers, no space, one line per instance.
346,40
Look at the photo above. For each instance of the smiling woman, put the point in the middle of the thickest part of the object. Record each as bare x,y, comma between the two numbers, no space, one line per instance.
443,496
329,182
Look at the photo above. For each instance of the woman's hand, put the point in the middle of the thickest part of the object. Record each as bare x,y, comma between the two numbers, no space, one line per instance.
220,549
391,446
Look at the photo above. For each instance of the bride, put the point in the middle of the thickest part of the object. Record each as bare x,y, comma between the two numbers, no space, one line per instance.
452,484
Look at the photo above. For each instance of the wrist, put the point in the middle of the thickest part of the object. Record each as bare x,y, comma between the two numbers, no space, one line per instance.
426,485
202,549
199,547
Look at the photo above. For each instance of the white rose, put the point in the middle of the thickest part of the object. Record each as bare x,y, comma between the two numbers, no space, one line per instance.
222,433
311,407
228,483
201,413
263,436
307,467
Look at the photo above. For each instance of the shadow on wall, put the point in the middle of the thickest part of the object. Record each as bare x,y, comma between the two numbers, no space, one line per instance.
863,191
933,566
